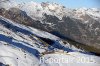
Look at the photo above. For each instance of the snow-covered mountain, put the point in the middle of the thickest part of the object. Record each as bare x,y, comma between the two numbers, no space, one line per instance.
80,25
32,34
22,45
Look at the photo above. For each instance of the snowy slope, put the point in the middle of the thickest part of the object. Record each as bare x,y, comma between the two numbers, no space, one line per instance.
15,56
25,34
70,59
17,47
19,37
20,46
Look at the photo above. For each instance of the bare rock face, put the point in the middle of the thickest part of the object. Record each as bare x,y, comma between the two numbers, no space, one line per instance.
86,33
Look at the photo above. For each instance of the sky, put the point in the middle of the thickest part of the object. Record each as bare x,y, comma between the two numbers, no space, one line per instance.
71,3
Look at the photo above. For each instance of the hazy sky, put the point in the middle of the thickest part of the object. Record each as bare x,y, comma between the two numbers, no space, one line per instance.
71,3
